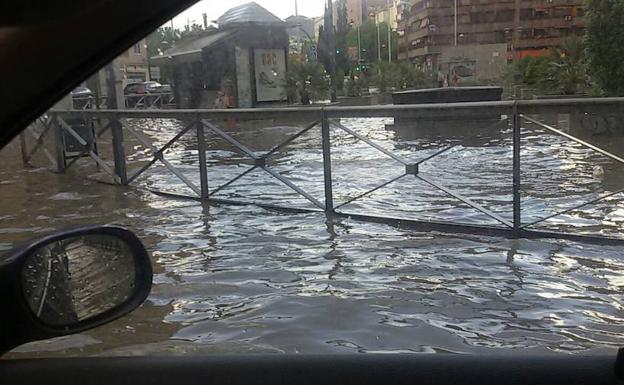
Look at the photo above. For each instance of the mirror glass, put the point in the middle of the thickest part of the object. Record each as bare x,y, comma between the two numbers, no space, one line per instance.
78,278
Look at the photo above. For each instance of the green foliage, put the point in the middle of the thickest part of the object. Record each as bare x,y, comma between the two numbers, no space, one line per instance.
397,75
368,41
342,30
166,37
326,31
605,44
568,68
323,54
355,85
562,71
190,29
305,81
530,70
162,39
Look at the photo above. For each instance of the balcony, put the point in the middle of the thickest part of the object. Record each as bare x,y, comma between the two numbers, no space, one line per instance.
543,42
423,51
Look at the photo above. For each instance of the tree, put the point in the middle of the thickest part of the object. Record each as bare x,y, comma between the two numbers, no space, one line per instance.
561,71
306,81
161,40
567,71
190,29
325,46
368,41
322,50
605,44
342,30
397,75
164,38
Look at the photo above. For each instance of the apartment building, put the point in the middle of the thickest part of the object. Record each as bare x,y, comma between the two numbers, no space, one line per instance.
516,27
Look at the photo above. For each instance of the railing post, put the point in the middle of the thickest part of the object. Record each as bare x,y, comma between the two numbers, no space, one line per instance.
24,147
517,203
119,153
59,144
203,167
327,168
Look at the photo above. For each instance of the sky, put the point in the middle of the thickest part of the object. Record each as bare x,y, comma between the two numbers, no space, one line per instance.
280,8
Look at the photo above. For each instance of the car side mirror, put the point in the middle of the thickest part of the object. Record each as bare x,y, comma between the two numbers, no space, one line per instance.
70,282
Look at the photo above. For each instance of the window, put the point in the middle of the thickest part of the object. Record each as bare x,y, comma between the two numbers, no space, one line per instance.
137,48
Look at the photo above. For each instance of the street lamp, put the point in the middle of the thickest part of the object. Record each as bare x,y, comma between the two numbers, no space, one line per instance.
389,32
312,42
149,62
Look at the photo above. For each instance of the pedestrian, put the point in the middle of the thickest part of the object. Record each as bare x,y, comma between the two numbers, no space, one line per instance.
456,78
220,102
441,77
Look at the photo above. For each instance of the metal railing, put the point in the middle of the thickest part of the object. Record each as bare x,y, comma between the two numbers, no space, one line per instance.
511,114
132,101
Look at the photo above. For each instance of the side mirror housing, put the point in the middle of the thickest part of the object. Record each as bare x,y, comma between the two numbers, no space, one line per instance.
70,282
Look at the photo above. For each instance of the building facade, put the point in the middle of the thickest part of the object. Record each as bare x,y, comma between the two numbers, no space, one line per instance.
133,63
525,27
358,11
242,63
389,13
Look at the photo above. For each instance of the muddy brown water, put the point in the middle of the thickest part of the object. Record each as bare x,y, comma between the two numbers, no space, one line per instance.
233,279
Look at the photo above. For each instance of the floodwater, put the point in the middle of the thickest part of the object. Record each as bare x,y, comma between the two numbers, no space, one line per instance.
241,279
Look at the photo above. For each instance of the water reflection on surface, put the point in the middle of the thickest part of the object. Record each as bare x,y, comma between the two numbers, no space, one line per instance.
244,279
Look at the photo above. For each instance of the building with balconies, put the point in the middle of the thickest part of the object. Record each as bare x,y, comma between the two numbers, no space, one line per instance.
436,31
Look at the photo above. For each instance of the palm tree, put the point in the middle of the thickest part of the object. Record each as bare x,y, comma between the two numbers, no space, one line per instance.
568,68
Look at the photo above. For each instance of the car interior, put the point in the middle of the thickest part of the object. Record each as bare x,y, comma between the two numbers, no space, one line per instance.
34,32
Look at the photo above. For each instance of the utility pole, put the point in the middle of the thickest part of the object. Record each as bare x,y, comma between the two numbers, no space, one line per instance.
455,24
114,87
149,62
331,30
378,41
359,48
296,8
516,31
389,32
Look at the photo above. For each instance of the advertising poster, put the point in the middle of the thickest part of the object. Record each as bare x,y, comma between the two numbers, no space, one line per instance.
463,71
270,74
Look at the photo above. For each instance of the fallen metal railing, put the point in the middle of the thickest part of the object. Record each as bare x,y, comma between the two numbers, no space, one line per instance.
511,114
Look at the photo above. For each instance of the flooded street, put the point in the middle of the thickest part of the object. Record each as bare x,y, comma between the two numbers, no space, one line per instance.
234,279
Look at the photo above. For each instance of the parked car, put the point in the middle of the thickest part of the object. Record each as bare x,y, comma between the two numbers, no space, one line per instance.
153,87
81,92
166,89
144,88
82,97
135,89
